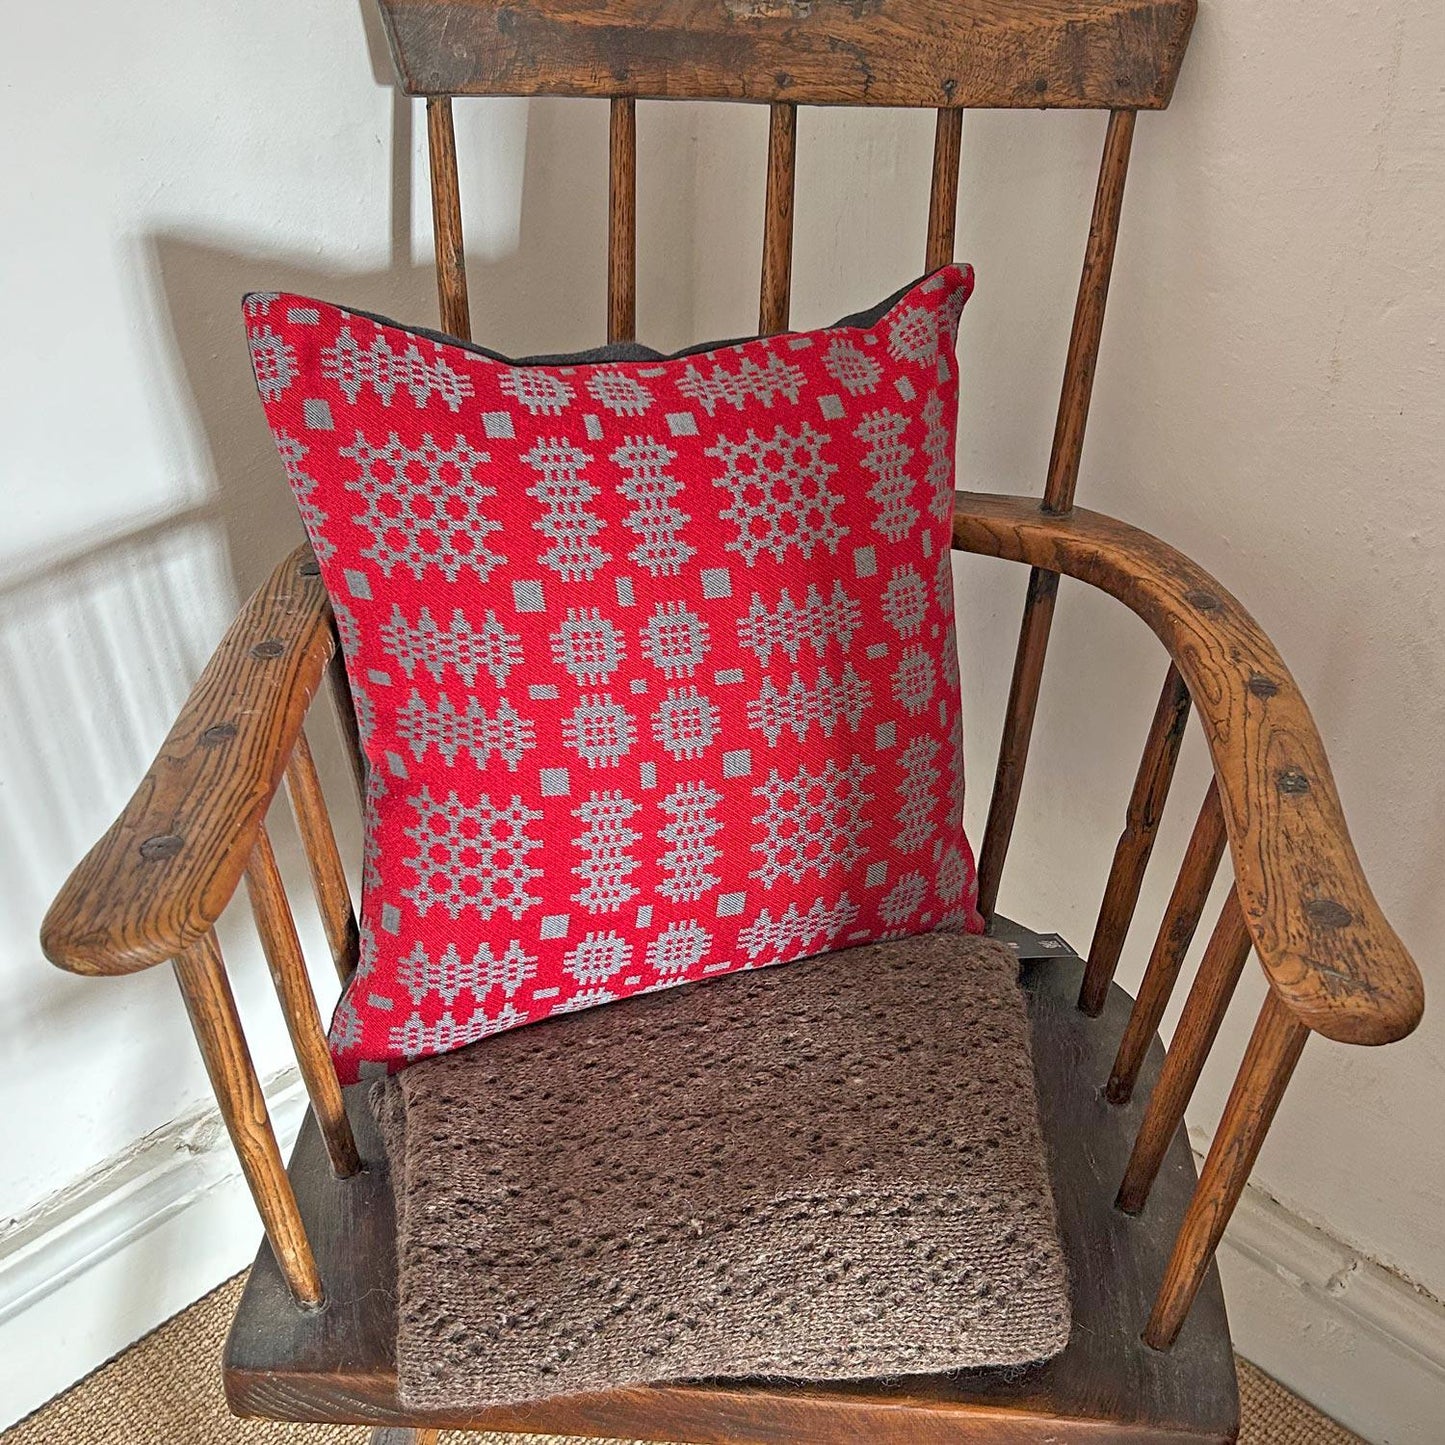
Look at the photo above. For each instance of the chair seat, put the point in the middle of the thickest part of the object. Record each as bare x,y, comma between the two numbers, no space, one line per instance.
338,1364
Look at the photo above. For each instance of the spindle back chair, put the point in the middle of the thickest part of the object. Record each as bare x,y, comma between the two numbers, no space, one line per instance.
315,1338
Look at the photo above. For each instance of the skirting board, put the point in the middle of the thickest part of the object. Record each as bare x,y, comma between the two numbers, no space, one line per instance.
100,1265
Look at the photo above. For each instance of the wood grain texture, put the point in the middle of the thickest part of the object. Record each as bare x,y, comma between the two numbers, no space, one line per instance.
339,1364
775,290
1074,395
446,215
267,892
1327,947
323,858
1033,53
1018,731
943,189
622,220
344,709
1269,1062
160,876
1176,932
1219,973
201,974
1136,842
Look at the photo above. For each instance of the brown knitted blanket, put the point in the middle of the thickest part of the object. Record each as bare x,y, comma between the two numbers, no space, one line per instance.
827,1170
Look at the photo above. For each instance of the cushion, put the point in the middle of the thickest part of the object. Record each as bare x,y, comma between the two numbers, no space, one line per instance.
828,1171
653,659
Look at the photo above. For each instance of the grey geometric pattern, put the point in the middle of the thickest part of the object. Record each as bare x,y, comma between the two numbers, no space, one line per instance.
405,515
621,394
888,457
597,958
951,876
826,703
679,947
905,601
543,393
913,334
381,369
762,384
600,731
943,582
273,360
851,367
955,772
917,794
303,484
904,899
937,447
649,487
675,640
416,1038
448,975
605,839
686,723
506,733
914,680
794,932
588,646
471,857
789,627
812,822
461,647
780,495
949,645
687,832
564,493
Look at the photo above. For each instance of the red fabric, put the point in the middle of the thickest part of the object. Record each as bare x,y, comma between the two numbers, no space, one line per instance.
654,662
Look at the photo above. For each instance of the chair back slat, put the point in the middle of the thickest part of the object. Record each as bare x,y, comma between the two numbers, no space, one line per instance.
282,948
1011,53
1063,475
1269,1063
943,189
622,220
323,859
1136,842
201,973
446,211
1219,973
775,290
1171,944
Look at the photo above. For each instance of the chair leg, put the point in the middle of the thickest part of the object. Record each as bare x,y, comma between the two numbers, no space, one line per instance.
391,1435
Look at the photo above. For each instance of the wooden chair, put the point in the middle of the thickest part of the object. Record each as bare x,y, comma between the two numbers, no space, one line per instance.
1150,1357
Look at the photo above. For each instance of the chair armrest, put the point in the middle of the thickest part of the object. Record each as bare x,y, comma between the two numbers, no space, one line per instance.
159,878
1328,951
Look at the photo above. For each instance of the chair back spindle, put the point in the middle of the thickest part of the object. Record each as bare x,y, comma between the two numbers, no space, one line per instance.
446,209
622,220
943,189
775,289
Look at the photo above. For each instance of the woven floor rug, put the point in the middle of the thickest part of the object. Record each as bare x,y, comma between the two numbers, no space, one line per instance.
827,1170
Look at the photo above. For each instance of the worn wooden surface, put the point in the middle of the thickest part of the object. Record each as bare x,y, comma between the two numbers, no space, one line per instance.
1136,842
1171,944
776,288
1327,947
1074,395
943,189
1269,1062
201,974
284,958
446,212
160,876
1103,53
1219,973
622,220
323,858
1106,1386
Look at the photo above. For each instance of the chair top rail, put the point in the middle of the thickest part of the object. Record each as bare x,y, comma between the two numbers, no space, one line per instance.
1105,54
1326,946
161,875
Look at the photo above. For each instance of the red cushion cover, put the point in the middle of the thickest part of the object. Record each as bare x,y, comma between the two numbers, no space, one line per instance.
653,661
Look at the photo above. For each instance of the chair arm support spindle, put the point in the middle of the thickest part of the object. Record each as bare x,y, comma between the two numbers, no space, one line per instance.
1330,954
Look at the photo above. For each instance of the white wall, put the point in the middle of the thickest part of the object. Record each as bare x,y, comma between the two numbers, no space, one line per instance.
1269,398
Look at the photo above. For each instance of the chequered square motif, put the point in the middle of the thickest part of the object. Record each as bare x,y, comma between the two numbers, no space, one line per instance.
653,661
